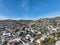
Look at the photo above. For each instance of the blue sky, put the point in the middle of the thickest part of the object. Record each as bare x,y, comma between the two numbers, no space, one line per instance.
29,9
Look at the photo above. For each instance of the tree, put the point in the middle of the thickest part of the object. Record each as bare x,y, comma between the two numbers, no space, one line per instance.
5,42
51,40
21,34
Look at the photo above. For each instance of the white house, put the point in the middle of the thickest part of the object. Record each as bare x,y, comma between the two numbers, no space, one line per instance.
38,41
28,36
54,29
57,43
32,39
39,33
43,37
8,34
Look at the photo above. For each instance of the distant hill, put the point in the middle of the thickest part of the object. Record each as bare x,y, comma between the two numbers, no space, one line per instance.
14,23
37,24
43,22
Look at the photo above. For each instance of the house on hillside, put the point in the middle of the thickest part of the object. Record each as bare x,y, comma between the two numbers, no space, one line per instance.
15,41
57,43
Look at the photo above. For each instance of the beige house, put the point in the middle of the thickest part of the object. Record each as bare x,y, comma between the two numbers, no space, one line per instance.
38,42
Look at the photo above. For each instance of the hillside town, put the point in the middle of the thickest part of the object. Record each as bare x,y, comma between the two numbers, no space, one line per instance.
29,22
40,32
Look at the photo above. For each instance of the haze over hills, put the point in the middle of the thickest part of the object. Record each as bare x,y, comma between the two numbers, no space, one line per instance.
37,24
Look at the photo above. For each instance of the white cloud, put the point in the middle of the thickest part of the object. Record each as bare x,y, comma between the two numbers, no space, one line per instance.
49,15
2,17
24,3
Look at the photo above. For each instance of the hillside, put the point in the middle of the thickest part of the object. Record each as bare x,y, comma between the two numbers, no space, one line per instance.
14,24
43,22
37,24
